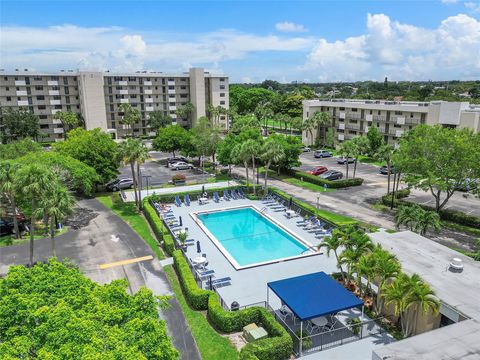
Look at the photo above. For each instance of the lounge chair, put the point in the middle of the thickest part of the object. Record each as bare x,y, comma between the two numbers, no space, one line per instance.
241,193
186,200
233,194
284,312
177,201
221,282
225,195
215,197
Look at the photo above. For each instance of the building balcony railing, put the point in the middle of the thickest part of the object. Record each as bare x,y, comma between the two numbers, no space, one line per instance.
379,118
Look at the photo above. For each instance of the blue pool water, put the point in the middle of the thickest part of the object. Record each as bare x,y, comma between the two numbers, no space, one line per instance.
249,237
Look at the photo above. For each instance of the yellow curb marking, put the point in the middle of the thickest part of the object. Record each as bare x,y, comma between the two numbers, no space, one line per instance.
125,262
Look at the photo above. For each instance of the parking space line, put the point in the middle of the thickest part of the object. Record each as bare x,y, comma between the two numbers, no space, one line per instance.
125,262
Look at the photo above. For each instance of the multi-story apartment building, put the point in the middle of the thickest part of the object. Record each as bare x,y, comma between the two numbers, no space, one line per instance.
350,118
98,95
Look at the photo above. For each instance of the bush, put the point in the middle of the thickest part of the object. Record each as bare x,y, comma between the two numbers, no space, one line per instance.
179,177
170,198
337,184
168,244
158,228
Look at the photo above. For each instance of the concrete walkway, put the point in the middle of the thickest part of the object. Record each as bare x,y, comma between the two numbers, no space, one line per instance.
93,245
130,196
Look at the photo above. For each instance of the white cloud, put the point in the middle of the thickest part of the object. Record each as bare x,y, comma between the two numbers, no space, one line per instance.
449,1
401,51
288,26
473,6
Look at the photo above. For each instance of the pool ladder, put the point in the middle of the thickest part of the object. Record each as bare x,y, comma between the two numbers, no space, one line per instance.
314,248
263,210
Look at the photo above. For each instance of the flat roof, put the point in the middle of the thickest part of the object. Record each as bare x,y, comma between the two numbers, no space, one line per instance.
313,295
430,260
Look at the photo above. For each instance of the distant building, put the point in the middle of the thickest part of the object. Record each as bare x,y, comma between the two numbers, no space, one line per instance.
392,118
97,96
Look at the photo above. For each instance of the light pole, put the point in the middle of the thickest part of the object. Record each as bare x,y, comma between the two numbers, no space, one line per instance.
318,201
147,177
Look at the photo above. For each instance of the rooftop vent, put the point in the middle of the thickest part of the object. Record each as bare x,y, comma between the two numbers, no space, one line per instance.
456,265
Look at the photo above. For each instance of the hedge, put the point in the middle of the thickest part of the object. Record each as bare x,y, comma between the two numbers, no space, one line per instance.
170,198
445,214
337,184
156,224
278,346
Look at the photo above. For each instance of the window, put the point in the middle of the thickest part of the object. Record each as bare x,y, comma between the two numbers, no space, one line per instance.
37,78
54,78
171,87
183,96
222,102
171,103
38,87
222,94
44,126
398,113
69,108
379,112
5,78
132,79
58,107
222,87
132,87
109,81
342,108
171,79
222,79
7,88
56,97
9,98
67,99
111,107
41,107
354,110
133,96
40,97
42,117
183,87
117,78
65,81
66,90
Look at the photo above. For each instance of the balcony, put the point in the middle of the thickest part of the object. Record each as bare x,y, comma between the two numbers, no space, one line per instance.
148,91
369,117
354,115
58,130
341,115
22,102
123,92
55,102
170,91
52,83
20,82
124,101
341,126
149,108
149,100
123,83
353,126
53,92
170,83
54,111
147,83
21,93
366,129
341,137
172,108
399,120
173,116
56,121
379,118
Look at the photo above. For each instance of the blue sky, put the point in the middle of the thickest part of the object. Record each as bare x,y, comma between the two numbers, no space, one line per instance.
249,40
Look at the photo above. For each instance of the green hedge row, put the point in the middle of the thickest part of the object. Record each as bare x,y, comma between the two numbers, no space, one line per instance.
278,346
170,198
445,214
157,226
337,184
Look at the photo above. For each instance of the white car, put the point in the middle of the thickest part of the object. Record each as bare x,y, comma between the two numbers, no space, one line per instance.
181,165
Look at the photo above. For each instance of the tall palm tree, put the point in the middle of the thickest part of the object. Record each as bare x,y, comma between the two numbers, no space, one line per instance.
322,119
407,216
69,120
34,181
271,153
386,268
423,300
308,125
240,155
333,243
365,267
386,153
252,147
141,156
55,205
131,115
361,146
426,220
129,151
347,149
7,187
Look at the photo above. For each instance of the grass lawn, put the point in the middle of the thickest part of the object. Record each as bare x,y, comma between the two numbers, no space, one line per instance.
9,240
212,345
136,221
336,218
369,160
308,185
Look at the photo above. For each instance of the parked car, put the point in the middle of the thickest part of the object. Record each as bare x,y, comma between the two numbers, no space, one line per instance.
181,165
343,160
322,154
332,175
120,184
384,170
469,185
318,170
6,227
305,148
172,160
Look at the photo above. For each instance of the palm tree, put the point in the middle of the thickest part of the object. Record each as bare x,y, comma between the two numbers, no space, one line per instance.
386,268
183,112
157,120
129,152
69,120
295,122
264,112
55,205
347,149
34,181
271,153
7,187
308,125
406,215
361,146
322,119
423,299
252,148
365,267
214,113
385,153
356,243
131,115
426,220
333,243
141,156
240,155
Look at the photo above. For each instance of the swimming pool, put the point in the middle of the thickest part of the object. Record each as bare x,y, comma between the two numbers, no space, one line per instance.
249,238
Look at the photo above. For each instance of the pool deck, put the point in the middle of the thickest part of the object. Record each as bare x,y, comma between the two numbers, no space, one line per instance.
249,286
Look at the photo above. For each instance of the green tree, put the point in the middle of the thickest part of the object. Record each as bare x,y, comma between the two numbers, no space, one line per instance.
322,120
157,120
295,123
252,148
8,170
94,148
417,219
34,182
246,100
244,122
333,243
241,155
439,160
55,204
347,149
291,148
385,153
205,138
271,153
309,124
292,105
264,112
184,112
68,119
386,269
406,216
172,138
16,149
361,146
130,116
18,124
375,140
225,153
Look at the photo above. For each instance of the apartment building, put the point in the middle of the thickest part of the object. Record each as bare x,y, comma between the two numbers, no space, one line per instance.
351,118
98,95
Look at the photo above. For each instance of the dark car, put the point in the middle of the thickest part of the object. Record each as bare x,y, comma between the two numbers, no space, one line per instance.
322,154
6,227
384,170
318,170
343,160
332,175
120,184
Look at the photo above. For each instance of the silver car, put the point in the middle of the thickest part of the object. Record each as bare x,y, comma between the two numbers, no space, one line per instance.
181,165
120,184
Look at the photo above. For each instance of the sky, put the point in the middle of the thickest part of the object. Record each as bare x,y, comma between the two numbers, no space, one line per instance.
250,41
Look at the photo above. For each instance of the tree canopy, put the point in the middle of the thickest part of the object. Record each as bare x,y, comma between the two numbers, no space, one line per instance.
52,311
19,148
18,124
94,148
172,138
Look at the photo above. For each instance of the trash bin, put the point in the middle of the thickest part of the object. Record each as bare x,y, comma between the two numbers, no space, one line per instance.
235,306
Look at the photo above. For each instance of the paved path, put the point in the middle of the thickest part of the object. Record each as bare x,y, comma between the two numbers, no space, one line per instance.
130,196
92,246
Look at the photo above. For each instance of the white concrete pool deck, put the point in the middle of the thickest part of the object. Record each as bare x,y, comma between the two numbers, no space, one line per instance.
249,286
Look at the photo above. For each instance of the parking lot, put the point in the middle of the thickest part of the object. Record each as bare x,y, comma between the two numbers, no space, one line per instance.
159,173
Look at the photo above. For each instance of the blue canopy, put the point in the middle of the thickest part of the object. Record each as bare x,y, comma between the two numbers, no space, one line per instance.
313,295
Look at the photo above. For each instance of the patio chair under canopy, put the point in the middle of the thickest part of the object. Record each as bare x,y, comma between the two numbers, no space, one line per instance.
312,296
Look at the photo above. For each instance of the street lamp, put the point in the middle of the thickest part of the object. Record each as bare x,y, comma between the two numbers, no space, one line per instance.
146,177
318,201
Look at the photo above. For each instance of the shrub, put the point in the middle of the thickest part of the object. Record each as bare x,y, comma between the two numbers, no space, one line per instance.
168,244
179,177
230,321
170,198
337,184
158,228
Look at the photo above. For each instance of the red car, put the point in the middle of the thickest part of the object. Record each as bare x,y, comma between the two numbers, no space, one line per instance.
318,170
